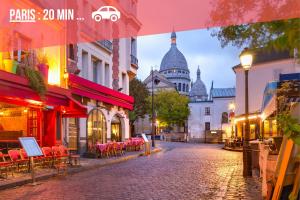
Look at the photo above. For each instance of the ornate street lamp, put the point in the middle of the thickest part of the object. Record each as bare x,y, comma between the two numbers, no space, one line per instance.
246,59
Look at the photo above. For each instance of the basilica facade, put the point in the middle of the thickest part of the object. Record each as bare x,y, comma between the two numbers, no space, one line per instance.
208,109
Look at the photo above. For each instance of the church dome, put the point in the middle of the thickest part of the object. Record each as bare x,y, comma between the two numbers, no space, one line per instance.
173,59
198,91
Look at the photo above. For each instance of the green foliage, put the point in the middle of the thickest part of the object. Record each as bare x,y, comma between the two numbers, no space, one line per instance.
36,81
278,35
140,93
287,124
170,107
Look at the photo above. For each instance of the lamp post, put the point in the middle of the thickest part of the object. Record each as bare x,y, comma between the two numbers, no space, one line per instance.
246,62
156,81
231,108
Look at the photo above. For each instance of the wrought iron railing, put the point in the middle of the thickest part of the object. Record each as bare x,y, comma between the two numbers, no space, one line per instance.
134,60
106,44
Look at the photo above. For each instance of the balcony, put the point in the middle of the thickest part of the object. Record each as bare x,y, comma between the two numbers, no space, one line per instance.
134,61
106,44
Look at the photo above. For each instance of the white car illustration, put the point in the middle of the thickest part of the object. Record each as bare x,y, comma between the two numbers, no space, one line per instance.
106,12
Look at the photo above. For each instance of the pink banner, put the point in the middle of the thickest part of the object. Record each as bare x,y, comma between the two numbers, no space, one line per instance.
59,22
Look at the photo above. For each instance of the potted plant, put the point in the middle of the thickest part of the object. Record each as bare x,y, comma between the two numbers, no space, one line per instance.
9,64
42,65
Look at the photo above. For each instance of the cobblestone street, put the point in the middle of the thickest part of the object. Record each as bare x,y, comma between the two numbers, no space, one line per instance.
185,171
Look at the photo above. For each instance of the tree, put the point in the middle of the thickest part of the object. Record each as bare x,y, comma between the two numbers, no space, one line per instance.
170,107
287,124
278,35
139,92
275,35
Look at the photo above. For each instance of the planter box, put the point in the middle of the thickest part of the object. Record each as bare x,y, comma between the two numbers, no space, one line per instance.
267,165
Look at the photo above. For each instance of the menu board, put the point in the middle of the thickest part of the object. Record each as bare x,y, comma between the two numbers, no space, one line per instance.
31,147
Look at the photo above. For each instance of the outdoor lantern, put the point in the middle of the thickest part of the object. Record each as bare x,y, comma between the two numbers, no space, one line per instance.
246,59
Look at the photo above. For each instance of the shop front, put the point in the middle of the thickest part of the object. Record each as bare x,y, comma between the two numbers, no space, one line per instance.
270,105
255,126
23,113
107,114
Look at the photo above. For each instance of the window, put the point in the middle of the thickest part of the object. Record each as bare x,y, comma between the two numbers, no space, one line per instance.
224,119
207,126
106,73
96,128
187,88
124,83
71,51
95,71
179,86
104,9
183,87
207,110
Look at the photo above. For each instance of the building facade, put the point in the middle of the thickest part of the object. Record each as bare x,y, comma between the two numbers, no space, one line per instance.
87,97
267,67
209,119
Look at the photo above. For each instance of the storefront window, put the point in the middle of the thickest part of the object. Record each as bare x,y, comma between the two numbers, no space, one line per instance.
266,129
116,131
274,128
17,121
96,128
252,131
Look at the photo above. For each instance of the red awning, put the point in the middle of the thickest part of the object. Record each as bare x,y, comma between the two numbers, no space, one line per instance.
15,89
75,109
86,88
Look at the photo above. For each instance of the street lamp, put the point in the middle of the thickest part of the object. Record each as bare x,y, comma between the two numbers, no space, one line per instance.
246,59
231,108
156,82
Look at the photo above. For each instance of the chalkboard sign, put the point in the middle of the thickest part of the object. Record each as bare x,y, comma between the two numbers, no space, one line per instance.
31,147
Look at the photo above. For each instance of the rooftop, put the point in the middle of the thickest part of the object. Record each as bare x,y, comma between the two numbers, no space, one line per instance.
222,92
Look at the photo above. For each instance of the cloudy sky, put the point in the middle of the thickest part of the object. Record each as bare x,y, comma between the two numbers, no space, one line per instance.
199,48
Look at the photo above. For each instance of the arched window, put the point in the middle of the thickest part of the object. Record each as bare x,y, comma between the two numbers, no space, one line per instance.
183,87
224,118
179,86
96,128
187,88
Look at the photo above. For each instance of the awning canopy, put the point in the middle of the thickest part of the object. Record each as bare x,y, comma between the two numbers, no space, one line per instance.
89,89
75,109
269,105
15,89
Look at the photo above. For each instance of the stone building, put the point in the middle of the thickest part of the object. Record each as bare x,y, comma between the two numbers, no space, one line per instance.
209,117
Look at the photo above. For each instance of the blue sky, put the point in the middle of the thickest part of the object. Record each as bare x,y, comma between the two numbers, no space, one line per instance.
199,48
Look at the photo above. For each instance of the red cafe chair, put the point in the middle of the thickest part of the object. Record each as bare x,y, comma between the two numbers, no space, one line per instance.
17,159
5,166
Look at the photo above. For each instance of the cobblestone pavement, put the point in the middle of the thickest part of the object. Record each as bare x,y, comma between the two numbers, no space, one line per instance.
186,171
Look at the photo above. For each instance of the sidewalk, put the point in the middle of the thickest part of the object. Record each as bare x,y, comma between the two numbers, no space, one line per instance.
85,164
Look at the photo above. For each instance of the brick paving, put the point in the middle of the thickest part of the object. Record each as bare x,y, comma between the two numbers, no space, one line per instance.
186,171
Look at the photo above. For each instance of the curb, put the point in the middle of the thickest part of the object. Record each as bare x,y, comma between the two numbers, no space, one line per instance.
72,171
229,149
